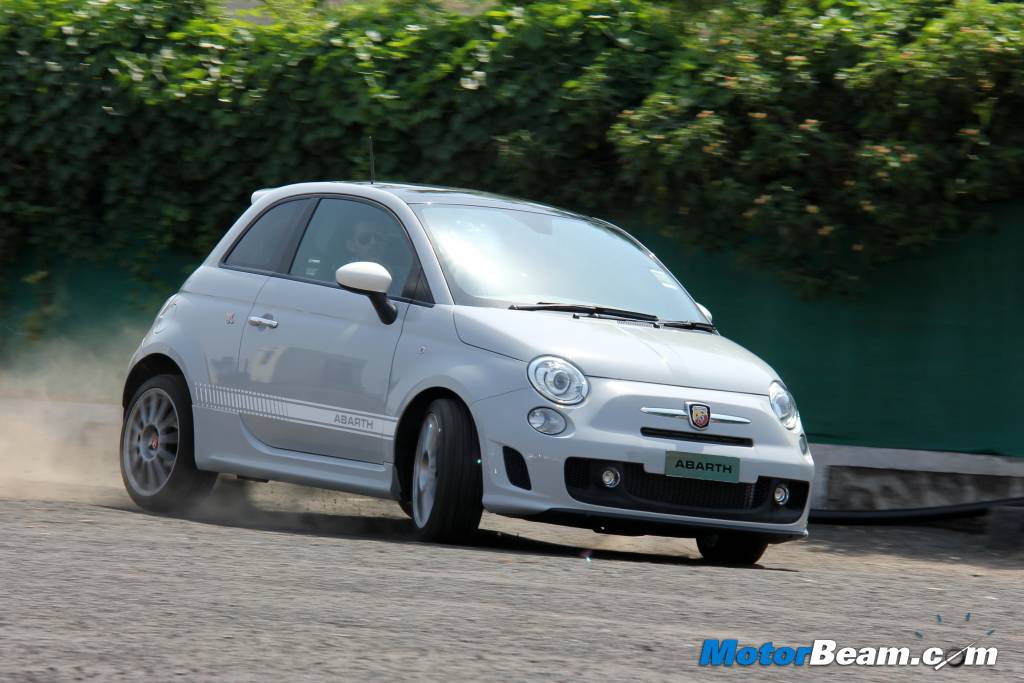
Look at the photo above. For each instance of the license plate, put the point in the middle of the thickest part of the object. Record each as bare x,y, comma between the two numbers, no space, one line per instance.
709,467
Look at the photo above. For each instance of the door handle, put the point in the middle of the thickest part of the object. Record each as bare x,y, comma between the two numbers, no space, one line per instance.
257,321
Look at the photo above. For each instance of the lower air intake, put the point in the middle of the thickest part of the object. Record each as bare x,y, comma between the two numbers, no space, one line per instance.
516,469
650,492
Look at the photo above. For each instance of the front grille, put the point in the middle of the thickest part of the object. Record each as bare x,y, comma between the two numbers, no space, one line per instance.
699,437
690,492
577,473
644,491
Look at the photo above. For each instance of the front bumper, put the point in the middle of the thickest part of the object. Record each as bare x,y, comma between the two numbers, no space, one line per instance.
609,427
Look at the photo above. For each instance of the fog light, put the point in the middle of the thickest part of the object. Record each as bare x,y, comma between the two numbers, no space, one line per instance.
781,494
611,477
546,421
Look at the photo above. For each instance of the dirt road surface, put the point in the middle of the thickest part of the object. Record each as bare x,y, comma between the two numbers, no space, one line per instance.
272,582
278,583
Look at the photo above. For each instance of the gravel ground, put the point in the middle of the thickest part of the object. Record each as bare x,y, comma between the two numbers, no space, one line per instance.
274,582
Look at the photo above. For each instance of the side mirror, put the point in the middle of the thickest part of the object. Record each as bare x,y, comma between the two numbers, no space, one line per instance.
705,311
372,280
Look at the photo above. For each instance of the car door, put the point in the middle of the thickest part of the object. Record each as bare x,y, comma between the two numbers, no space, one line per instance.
217,299
315,359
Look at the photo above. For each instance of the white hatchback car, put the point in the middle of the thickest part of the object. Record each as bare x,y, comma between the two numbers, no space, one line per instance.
459,351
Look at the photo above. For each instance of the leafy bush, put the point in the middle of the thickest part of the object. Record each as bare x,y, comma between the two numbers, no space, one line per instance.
818,137
831,136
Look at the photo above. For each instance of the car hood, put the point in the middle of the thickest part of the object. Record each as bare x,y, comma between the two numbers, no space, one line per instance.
617,349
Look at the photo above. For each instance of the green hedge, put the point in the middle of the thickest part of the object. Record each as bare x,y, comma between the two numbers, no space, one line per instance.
832,136
816,137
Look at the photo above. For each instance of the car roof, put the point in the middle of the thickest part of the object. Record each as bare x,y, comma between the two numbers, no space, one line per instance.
436,194
412,194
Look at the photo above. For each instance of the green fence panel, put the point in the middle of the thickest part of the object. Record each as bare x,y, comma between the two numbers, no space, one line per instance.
929,358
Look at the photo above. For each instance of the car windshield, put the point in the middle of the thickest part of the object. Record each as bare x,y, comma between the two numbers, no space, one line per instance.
499,257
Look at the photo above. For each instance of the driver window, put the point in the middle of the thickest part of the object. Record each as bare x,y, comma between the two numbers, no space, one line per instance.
343,231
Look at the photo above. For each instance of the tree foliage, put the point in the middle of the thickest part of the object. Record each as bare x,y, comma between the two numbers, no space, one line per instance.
819,138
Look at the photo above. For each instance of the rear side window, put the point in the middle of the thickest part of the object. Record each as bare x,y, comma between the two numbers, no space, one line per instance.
270,240
343,231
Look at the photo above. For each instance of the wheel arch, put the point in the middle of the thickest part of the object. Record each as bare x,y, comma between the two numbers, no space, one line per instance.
407,432
146,368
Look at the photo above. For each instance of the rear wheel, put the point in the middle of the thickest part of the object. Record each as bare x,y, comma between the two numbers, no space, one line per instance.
734,548
157,458
446,484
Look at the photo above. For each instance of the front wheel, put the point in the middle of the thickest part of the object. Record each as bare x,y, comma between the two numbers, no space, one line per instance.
157,459
446,482
736,548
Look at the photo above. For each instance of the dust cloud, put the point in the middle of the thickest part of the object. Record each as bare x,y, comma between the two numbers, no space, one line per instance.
60,416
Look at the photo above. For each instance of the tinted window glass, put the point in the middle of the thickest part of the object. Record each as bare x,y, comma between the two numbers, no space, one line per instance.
265,244
344,231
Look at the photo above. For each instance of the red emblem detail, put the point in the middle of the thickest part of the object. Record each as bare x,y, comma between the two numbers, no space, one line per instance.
700,415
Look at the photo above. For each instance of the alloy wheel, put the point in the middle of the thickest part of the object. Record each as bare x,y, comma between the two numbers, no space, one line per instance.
424,474
150,445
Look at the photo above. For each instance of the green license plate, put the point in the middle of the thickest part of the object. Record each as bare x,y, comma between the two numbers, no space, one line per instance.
709,467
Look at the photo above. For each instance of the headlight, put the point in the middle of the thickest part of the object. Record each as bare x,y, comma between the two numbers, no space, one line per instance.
783,405
558,380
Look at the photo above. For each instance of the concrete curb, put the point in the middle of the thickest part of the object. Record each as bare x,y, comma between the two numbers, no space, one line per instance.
857,478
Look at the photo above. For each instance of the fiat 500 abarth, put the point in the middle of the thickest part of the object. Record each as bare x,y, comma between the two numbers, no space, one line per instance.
458,351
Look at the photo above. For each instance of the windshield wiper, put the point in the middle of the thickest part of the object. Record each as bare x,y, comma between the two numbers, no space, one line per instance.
583,308
688,325
615,312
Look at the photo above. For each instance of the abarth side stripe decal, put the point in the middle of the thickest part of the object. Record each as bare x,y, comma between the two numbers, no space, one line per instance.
231,400
230,391
324,406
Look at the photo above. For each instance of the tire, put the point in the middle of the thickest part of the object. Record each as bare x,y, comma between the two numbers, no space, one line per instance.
158,463
447,457
731,548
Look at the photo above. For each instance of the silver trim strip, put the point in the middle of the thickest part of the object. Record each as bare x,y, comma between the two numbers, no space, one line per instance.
682,415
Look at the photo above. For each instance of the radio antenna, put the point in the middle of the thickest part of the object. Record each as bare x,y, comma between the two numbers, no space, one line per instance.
372,173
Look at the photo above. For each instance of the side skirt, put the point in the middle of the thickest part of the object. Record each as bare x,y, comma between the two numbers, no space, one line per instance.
228,447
